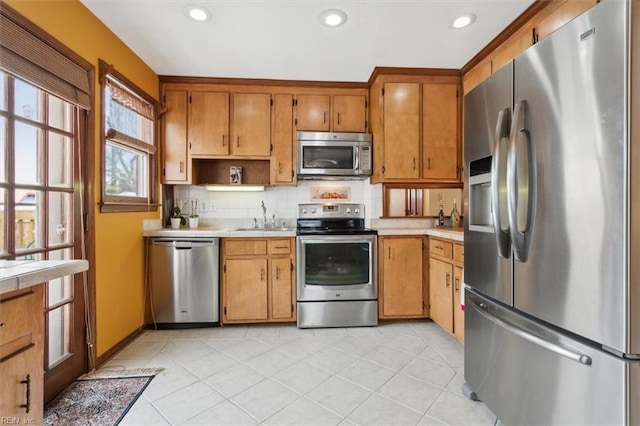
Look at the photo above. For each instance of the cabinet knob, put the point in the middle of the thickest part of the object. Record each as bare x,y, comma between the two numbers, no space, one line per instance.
3,324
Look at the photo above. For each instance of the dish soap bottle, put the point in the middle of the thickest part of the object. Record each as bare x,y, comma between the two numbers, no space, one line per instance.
455,216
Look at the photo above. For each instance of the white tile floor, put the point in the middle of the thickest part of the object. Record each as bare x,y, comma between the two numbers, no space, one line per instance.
406,373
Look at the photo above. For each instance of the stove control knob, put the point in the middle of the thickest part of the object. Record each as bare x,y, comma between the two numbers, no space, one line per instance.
348,211
313,210
304,211
356,211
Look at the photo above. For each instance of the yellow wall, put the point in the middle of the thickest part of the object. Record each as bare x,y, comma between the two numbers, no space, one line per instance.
119,245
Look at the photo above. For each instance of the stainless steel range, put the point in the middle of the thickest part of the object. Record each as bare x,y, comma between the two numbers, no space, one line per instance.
337,283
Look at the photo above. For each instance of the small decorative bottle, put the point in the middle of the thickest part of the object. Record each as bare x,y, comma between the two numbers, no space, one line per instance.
441,216
455,216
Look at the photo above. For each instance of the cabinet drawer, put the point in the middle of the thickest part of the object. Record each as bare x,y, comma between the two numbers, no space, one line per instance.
241,247
441,248
16,316
458,253
280,246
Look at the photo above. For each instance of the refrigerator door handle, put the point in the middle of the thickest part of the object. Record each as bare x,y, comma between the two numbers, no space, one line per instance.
499,200
481,308
521,179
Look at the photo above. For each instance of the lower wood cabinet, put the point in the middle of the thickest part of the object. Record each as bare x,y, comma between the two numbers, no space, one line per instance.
402,278
446,260
258,282
21,356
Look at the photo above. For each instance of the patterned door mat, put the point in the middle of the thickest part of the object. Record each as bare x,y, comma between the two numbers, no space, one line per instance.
101,401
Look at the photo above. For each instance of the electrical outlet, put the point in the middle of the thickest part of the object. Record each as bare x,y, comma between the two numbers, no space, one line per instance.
203,206
212,206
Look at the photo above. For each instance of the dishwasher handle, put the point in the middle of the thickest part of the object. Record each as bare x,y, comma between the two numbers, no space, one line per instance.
184,244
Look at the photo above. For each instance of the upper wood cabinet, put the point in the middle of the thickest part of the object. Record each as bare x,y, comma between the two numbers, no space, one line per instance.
209,123
176,164
251,133
440,131
313,113
401,122
416,130
283,140
324,113
349,113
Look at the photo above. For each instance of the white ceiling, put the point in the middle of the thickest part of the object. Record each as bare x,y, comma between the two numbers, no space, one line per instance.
283,39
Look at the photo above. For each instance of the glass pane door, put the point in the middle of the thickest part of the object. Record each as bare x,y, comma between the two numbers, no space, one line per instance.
38,168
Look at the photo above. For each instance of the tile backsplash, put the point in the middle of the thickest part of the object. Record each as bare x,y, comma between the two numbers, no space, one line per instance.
279,200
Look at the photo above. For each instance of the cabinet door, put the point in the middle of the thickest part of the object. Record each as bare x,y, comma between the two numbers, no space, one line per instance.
13,393
245,289
209,123
175,137
441,293
440,131
402,280
349,113
281,289
283,139
312,113
458,313
401,131
251,134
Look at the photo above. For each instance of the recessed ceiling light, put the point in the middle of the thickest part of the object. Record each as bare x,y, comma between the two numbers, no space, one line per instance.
333,17
464,21
197,13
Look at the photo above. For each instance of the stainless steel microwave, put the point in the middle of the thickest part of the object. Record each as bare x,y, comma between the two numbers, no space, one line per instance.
323,155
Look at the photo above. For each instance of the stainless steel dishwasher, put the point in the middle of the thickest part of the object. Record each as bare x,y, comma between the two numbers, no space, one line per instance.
184,281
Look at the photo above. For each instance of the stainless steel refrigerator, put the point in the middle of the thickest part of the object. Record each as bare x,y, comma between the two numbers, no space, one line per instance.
552,227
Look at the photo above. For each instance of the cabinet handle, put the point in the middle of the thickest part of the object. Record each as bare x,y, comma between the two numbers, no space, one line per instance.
224,140
338,119
238,142
324,117
428,163
27,382
456,284
389,253
181,166
261,274
279,168
448,280
414,163
277,273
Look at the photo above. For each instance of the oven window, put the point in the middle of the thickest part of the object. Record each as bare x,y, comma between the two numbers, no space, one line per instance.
327,157
337,264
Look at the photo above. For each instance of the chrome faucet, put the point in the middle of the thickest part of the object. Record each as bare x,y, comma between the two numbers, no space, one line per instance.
265,224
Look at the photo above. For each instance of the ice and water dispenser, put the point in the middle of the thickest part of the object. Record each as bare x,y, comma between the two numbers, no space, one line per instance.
480,218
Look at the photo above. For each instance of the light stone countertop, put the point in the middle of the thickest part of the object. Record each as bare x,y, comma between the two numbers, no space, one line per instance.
455,234
19,274
206,232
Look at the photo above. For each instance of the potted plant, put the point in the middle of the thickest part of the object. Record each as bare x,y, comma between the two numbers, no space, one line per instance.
177,217
193,218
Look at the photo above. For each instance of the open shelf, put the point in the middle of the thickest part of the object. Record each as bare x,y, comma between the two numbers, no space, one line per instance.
216,171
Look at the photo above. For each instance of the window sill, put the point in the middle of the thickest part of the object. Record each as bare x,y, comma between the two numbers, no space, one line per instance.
114,207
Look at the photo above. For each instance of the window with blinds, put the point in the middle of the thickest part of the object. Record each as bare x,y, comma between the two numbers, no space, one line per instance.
129,123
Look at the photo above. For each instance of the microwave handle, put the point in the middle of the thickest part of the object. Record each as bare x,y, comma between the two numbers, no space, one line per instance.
356,152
